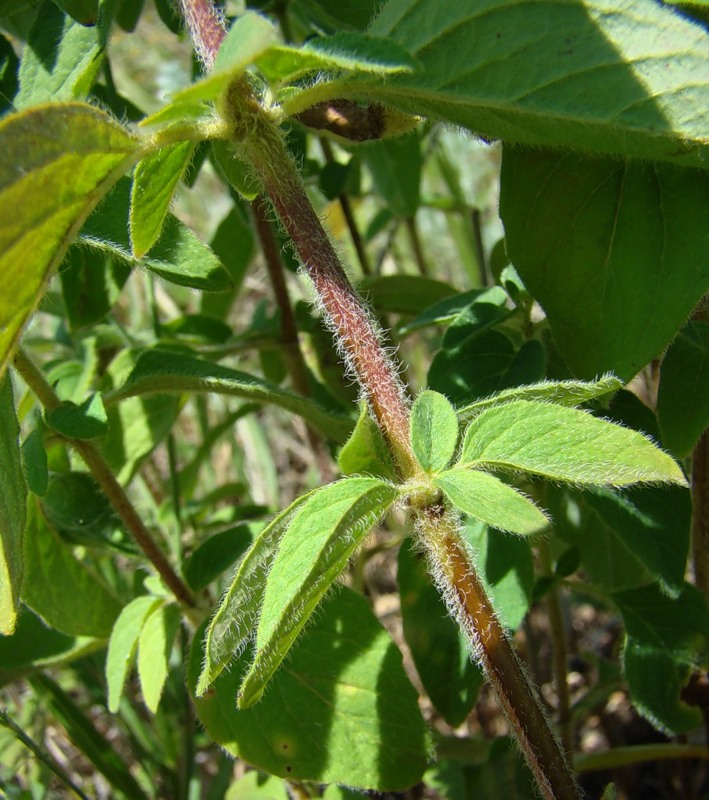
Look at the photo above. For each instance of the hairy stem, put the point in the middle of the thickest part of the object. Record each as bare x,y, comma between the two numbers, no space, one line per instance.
460,585
115,493
355,330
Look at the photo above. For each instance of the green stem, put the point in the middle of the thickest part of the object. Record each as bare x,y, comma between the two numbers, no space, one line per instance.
39,753
115,493
452,568
560,647
415,241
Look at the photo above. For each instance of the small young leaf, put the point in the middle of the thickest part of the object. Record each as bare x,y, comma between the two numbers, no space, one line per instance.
440,652
234,621
366,451
85,12
154,183
445,311
683,394
60,589
167,372
154,646
488,499
395,166
562,393
668,637
354,52
249,36
13,500
86,421
34,457
312,553
257,786
177,256
564,444
434,430
345,679
123,644
58,162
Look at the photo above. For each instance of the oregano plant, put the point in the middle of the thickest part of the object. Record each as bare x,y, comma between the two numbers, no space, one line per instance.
476,415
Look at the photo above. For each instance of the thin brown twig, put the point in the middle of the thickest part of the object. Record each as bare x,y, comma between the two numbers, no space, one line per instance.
115,493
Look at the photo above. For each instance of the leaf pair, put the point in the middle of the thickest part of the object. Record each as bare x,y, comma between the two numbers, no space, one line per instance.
286,573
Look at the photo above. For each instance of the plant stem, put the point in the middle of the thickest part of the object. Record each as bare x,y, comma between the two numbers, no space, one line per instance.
362,255
356,332
115,493
560,646
453,570
416,246
700,513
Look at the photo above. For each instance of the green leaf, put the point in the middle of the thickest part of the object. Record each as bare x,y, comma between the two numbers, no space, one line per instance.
234,244
343,51
234,622
215,555
562,393
668,637
653,522
79,511
85,12
366,451
136,425
683,395
488,499
154,183
91,283
485,363
13,501
167,372
315,548
86,421
34,646
60,589
123,644
403,294
395,166
344,680
154,646
178,255
632,80
440,652
58,161
448,309
60,60
34,458
506,568
564,444
434,430
632,232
